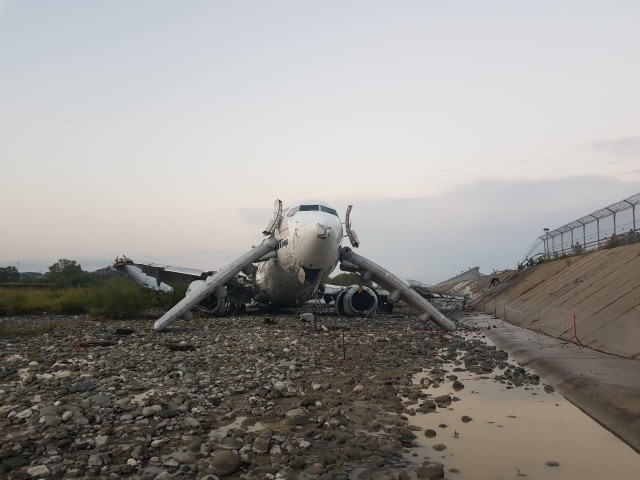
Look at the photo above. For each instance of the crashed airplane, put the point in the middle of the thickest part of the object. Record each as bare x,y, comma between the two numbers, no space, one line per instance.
302,246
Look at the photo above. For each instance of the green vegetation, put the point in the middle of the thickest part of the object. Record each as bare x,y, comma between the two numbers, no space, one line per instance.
9,274
68,273
114,297
346,280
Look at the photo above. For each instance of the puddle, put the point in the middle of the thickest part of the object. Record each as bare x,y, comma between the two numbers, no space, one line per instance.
514,432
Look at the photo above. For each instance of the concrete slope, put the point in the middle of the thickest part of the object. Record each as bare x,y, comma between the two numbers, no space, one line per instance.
601,289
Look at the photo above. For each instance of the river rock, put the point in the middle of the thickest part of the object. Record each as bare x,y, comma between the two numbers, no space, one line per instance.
430,471
39,471
443,400
225,462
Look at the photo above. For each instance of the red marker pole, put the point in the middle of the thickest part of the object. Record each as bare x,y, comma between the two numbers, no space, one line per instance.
575,333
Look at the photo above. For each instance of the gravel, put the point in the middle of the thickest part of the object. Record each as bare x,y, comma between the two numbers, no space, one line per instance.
236,396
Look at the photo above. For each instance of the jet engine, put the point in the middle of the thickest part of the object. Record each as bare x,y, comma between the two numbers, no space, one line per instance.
213,304
357,301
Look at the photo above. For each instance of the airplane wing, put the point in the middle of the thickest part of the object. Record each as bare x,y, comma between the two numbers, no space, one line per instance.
156,276
214,284
352,262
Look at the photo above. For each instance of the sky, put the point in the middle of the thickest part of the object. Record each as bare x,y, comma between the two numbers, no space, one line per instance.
165,130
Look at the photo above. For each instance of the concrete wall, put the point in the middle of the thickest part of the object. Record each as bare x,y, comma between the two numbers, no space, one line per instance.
602,290
471,274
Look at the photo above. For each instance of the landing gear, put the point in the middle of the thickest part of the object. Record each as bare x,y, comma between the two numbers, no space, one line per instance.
237,308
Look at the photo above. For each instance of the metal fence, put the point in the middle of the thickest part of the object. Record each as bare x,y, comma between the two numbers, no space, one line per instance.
612,225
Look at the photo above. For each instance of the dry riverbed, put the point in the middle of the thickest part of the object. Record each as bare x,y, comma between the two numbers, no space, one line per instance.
256,396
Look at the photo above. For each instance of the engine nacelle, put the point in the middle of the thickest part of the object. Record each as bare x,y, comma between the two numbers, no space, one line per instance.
357,302
213,304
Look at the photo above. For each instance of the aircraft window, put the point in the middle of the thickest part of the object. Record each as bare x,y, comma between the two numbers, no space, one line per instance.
293,211
328,210
309,208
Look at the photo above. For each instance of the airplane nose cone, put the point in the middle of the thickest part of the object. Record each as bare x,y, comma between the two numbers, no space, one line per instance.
319,248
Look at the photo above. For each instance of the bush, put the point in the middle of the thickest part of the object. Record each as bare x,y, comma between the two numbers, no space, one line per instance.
73,302
20,302
120,298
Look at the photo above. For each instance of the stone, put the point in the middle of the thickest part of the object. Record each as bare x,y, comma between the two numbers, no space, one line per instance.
101,400
552,463
262,443
230,443
466,419
83,386
225,462
443,400
298,416
39,471
439,447
430,471
25,413
95,460
152,410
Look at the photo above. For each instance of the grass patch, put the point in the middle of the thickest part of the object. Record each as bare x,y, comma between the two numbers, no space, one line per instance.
116,298
119,298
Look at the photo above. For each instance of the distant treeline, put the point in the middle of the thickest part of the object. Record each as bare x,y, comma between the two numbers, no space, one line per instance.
62,274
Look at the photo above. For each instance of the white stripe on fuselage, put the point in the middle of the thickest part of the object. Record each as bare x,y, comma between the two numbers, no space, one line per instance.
309,239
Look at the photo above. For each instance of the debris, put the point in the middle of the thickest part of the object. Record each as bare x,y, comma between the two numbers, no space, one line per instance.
307,317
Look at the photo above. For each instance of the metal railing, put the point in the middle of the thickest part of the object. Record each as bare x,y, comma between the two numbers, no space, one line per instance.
608,226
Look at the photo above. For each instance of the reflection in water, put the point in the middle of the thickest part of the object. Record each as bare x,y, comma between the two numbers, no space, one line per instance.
514,432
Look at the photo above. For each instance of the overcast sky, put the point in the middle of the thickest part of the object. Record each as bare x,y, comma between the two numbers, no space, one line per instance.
165,130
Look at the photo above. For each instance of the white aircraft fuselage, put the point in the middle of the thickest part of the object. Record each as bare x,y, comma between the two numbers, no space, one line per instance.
308,250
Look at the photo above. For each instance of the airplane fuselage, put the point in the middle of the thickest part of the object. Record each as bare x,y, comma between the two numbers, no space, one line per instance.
308,250
300,249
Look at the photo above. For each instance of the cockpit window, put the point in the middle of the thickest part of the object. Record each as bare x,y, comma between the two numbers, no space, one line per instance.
328,210
309,208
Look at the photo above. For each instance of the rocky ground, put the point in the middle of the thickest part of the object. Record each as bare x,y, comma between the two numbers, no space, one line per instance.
259,396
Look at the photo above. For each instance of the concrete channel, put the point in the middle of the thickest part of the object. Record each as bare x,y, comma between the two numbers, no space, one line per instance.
585,427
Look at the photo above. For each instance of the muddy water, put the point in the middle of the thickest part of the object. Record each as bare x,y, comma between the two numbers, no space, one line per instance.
514,432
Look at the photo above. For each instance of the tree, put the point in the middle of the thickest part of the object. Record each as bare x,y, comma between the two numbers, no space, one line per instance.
65,267
9,274
67,273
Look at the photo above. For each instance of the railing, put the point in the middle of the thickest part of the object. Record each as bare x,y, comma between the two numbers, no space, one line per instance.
609,226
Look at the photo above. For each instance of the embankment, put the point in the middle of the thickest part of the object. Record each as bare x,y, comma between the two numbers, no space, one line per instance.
601,289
